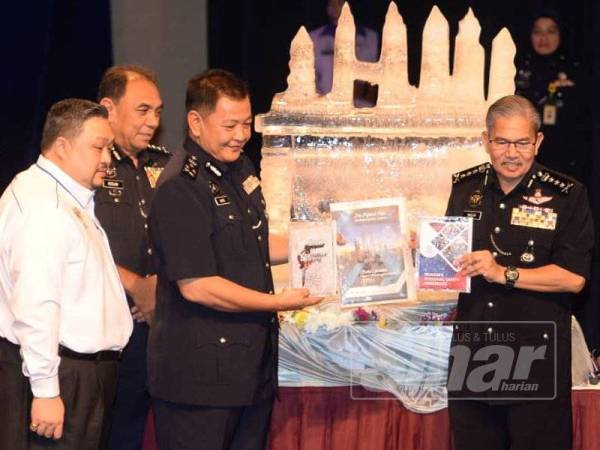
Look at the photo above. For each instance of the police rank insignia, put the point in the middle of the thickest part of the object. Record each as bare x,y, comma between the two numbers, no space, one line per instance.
537,198
250,184
190,167
153,173
475,199
534,217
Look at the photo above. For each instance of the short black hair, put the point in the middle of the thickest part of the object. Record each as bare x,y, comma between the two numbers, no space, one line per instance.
114,81
205,89
66,119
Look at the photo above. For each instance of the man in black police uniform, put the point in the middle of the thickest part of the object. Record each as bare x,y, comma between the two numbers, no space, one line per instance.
532,241
212,354
131,96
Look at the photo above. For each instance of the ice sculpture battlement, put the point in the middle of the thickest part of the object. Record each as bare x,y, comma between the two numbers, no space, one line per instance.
318,150
442,102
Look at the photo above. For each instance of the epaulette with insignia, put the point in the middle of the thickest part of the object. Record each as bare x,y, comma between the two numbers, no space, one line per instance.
563,183
159,149
468,173
190,167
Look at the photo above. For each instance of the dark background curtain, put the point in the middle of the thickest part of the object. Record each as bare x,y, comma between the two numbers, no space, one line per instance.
51,49
254,42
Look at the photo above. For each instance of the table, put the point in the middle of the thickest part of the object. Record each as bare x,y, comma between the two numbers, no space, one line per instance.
314,418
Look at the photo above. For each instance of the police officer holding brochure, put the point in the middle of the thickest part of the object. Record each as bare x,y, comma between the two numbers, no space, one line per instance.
509,379
212,356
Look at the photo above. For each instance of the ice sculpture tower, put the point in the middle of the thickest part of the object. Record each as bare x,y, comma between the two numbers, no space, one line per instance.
319,149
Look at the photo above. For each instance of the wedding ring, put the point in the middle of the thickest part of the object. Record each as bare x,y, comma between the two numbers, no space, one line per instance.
33,426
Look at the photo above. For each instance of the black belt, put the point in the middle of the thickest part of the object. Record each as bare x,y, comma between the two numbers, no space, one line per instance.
3,340
104,355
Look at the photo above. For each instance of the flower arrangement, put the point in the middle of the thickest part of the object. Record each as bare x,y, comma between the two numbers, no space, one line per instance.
331,317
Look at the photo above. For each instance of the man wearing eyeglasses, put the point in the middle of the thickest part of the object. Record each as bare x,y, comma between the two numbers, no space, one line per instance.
510,368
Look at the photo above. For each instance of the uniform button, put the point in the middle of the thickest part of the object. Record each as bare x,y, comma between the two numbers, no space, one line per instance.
490,329
502,206
149,251
231,217
137,177
267,265
249,211
490,304
497,230
142,202
259,238
494,254
271,291
117,200
223,340
545,336
146,226
530,242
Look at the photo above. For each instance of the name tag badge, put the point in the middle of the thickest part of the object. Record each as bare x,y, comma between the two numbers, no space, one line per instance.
250,184
222,200
475,215
549,115
112,184
534,217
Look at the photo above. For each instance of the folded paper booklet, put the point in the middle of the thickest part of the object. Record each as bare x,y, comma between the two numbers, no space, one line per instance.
441,241
374,262
312,257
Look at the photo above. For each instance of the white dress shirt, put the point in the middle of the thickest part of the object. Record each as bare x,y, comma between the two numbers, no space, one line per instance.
58,280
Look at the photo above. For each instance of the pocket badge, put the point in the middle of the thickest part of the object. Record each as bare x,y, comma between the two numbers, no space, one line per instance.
250,184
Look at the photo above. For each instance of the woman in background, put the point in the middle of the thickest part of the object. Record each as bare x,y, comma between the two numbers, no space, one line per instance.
554,84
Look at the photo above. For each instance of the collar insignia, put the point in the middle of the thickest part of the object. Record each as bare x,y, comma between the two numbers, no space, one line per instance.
211,168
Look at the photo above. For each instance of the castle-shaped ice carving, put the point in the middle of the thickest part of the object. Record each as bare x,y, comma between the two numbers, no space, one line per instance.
321,149
443,103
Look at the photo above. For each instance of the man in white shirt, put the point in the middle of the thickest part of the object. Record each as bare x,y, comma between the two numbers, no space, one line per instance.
63,315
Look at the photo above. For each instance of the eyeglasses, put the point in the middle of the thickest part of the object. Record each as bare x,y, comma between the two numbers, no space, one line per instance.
522,146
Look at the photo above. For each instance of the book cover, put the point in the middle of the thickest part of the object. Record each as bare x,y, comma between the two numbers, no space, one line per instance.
374,263
441,241
312,257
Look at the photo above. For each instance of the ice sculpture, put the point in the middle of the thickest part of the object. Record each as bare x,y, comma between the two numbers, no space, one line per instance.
321,149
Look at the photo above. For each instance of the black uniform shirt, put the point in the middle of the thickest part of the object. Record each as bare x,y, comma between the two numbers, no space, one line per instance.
208,219
544,220
123,204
